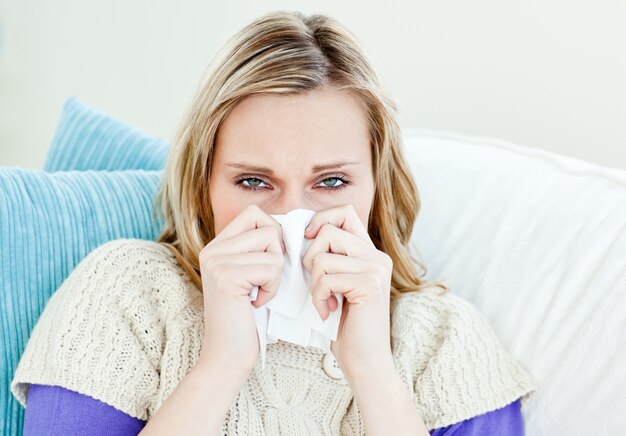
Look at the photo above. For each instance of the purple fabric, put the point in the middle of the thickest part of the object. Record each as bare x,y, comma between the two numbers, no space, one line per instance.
54,410
506,421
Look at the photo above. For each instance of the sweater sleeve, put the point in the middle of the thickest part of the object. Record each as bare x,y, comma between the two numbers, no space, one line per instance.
506,421
451,360
56,411
99,333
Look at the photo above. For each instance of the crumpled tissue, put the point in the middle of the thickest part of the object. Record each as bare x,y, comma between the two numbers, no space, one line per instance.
290,315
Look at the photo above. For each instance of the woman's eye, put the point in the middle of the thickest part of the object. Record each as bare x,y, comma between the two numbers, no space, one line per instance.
254,183
334,186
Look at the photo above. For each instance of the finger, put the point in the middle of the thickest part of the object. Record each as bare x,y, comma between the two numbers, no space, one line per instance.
343,217
354,287
331,263
331,239
252,217
251,258
322,295
263,239
269,290
333,303
240,279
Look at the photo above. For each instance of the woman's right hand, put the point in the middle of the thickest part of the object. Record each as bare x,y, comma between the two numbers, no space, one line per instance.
249,251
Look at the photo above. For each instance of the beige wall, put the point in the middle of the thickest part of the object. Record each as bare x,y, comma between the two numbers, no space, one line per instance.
546,74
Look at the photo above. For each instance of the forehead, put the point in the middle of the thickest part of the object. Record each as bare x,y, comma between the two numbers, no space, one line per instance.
306,124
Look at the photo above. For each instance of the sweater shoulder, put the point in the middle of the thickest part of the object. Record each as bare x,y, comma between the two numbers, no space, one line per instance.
133,271
430,309
433,318
452,360
103,332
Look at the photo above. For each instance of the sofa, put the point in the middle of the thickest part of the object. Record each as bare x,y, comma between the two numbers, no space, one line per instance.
535,240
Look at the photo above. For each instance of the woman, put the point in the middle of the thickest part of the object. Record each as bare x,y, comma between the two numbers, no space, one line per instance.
159,336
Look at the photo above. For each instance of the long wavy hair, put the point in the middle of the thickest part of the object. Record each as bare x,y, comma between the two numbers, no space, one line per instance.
286,52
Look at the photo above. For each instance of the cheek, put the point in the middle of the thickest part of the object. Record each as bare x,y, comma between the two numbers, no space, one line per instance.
224,214
363,204
363,211
226,204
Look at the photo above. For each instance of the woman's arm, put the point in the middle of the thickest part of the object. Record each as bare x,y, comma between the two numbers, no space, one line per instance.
57,411
199,403
386,405
197,406
506,421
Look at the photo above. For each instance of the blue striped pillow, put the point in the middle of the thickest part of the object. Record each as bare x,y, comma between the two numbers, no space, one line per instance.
48,223
87,138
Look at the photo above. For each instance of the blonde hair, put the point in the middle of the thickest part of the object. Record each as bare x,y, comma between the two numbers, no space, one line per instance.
286,52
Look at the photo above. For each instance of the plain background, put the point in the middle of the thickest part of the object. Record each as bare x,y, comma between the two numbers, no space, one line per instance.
549,74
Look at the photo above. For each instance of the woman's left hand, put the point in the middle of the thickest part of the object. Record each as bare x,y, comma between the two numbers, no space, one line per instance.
343,260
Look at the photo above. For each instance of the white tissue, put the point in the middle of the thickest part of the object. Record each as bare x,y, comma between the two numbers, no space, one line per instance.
290,315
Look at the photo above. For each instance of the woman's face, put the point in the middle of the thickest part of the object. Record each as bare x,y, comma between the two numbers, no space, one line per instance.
271,148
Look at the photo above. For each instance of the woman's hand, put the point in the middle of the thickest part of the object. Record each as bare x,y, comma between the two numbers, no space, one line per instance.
343,260
249,251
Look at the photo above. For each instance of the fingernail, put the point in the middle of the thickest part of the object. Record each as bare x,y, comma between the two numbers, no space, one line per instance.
306,230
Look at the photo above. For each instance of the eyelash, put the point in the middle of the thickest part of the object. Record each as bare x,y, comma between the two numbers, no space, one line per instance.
344,183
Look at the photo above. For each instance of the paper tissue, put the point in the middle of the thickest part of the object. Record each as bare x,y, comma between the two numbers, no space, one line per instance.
290,315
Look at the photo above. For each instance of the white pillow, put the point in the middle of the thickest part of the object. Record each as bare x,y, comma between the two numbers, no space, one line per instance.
537,242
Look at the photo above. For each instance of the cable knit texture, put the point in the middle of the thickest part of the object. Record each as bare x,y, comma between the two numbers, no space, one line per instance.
126,326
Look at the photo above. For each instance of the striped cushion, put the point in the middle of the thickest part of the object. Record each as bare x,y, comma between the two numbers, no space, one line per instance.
87,138
48,223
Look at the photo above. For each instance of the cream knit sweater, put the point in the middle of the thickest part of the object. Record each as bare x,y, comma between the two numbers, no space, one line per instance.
126,326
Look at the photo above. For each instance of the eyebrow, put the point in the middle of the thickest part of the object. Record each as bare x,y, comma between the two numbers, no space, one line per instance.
256,168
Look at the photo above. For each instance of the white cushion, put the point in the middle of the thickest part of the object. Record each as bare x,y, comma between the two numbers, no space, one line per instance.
537,242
